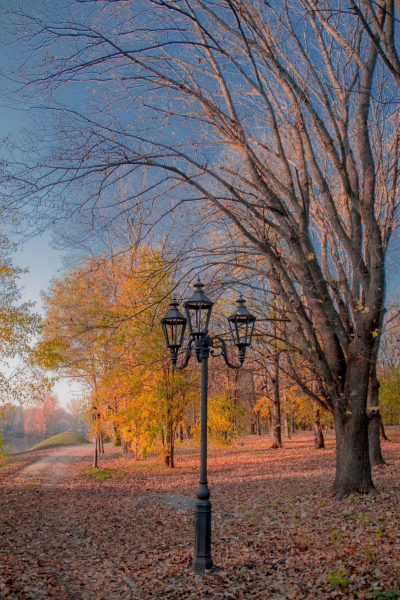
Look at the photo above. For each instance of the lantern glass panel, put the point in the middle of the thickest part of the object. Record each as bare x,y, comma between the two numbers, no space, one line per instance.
198,311
241,324
174,325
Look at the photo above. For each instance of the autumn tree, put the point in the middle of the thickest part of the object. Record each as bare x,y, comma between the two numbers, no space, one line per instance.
20,374
256,113
102,328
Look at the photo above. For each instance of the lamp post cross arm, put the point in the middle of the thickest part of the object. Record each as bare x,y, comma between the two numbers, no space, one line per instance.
187,358
221,350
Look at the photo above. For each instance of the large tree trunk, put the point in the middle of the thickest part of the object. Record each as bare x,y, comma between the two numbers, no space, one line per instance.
319,436
276,428
353,467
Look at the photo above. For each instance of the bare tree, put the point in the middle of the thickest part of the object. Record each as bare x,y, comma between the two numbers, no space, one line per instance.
251,111
378,19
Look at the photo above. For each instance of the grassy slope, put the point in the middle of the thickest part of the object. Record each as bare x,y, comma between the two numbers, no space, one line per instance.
61,439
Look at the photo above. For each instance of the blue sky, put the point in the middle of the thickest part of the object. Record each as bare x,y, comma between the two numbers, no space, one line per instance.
43,261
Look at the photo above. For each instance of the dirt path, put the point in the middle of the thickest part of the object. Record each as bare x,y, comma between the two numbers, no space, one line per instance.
53,468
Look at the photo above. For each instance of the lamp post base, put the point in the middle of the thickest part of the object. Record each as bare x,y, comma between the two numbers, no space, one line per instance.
202,551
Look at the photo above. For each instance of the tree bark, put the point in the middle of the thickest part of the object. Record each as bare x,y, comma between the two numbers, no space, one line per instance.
168,439
287,426
95,454
101,443
172,449
383,433
353,466
374,426
374,437
276,428
319,436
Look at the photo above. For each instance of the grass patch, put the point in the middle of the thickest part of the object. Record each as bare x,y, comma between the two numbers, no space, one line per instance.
101,474
339,578
61,439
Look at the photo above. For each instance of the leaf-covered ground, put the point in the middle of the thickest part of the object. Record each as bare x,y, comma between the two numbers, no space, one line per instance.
277,532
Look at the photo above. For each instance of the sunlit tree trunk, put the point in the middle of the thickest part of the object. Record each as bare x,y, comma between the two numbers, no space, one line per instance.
276,427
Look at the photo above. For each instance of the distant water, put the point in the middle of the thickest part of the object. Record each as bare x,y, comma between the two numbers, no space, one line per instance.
20,444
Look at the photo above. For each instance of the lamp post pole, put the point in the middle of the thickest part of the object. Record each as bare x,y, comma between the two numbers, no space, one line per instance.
198,310
202,548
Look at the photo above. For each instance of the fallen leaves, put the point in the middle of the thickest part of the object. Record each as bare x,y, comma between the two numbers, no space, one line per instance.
277,533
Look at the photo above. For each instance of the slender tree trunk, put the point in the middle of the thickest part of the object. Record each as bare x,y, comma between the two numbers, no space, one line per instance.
287,426
276,433
117,435
171,448
374,425
95,454
292,424
383,433
101,443
167,442
319,436
374,437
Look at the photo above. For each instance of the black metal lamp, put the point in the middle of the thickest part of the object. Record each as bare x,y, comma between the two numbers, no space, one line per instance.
241,323
174,325
198,312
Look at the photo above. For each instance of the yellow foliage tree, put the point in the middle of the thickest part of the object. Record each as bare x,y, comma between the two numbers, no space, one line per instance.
102,328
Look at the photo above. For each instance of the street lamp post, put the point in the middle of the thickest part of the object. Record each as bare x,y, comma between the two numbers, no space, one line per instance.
198,312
